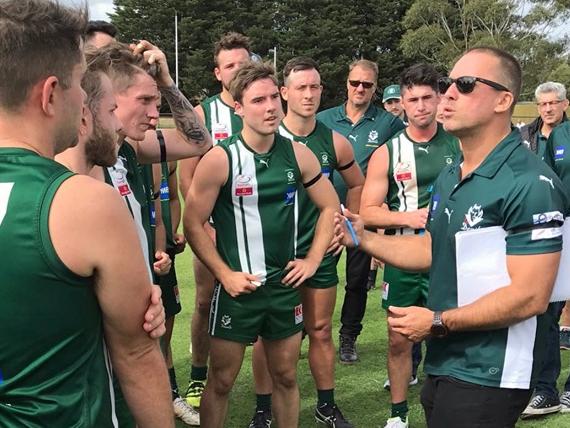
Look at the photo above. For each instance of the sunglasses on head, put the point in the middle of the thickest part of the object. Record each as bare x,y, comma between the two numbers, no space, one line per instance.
357,83
466,84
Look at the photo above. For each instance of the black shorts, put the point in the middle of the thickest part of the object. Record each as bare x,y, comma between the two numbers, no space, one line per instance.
450,402
169,286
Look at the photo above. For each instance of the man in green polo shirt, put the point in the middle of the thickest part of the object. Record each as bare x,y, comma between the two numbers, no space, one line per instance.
482,357
366,127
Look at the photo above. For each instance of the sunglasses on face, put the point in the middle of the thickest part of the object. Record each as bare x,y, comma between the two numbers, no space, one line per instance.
466,84
357,83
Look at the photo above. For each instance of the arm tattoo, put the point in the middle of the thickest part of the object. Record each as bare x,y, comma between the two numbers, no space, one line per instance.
185,117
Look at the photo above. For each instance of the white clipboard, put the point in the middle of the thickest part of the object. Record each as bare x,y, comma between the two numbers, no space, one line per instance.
481,261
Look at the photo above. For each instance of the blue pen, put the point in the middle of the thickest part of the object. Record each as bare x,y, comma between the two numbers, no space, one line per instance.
350,228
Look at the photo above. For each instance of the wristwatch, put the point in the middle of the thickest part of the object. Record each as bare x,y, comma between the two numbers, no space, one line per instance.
438,328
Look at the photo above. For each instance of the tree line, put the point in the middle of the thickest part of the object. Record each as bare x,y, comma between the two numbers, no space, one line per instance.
393,33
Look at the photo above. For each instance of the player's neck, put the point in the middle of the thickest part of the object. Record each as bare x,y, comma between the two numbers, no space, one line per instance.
479,144
299,125
227,98
422,135
355,112
260,143
75,160
546,128
15,132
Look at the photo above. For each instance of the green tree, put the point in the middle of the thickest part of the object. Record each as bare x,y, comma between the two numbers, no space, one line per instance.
439,30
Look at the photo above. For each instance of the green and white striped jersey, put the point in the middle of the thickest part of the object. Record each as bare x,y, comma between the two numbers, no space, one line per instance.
254,212
221,120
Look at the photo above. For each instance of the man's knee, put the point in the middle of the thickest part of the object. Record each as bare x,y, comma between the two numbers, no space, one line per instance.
321,330
284,378
398,344
203,306
220,380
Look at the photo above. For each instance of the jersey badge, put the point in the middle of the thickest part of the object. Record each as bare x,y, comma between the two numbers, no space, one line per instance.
424,149
546,179
473,217
220,131
559,153
403,172
373,137
226,322
290,195
164,191
448,159
243,186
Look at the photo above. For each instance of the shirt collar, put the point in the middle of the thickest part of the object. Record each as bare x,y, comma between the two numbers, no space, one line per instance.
370,113
498,155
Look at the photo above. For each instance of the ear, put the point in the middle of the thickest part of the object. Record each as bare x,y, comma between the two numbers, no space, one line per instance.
218,74
505,101
565,104
86,119
49,95
238,109
284,92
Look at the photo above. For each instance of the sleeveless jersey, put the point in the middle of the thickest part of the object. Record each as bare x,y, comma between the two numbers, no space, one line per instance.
54,368
254,212
413,168
134,183
221,120
320,141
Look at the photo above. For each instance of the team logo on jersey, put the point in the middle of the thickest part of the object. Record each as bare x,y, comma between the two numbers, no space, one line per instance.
448,159
559,153
290,176
226,322
324,158
290,195
298,314
164,191
473,217
403,171
373,137
122,184
243,186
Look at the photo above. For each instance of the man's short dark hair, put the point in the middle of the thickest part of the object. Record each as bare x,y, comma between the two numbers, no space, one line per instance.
231,41
297,64
510,69
249,73
419,75
38,39
100,27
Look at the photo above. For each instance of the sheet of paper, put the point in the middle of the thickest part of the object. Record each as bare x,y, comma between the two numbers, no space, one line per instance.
481,260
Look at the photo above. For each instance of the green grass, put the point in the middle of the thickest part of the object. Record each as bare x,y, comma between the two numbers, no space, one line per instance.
359,390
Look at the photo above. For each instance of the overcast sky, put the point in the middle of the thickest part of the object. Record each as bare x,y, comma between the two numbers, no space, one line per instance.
100,8
97,8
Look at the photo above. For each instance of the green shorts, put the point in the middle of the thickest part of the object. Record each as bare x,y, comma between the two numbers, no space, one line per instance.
403,289
272,312
326,275
169,287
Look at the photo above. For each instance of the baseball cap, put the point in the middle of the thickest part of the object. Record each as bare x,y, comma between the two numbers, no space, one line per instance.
391,92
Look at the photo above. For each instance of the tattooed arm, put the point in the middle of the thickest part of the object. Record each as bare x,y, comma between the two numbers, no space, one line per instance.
190,138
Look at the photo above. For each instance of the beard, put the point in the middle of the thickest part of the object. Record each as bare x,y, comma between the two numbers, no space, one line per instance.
101,148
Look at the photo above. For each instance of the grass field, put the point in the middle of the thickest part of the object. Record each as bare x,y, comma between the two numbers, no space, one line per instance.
359,390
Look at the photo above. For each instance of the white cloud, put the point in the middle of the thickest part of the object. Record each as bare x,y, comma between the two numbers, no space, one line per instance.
98,9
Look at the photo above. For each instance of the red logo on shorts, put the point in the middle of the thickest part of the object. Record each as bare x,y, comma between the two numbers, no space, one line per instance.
299,314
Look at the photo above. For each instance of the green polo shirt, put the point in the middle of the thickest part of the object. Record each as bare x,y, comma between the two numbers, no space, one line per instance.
557,153
373,129
514,189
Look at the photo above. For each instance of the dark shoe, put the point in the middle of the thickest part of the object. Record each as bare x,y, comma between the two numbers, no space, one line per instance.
347,350
261,419
540,405
331,416
565,339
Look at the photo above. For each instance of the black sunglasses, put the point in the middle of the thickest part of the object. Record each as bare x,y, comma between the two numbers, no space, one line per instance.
357,83
466,84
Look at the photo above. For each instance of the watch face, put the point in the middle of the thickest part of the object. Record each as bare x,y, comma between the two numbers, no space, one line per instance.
438,330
